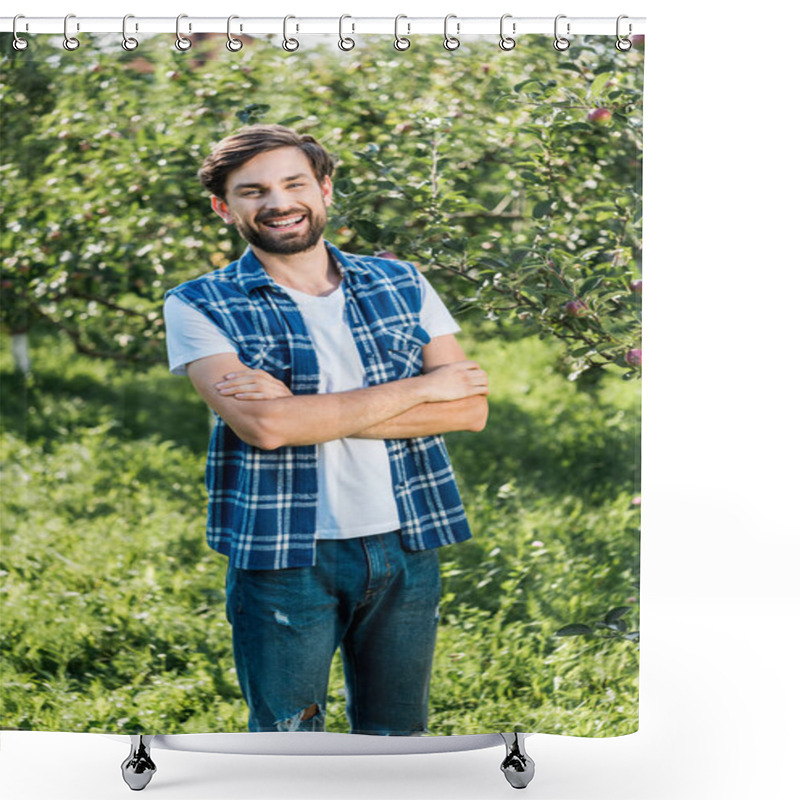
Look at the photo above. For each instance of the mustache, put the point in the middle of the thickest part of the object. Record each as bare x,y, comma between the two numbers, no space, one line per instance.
266,216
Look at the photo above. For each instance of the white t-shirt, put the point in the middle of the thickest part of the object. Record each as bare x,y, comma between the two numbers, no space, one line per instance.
355,483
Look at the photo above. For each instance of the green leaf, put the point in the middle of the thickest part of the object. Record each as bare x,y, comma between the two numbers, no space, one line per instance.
557,290
289,121
367,230
589,284
575,630
344,186
599,83
542,209
252,110
524,83
576,126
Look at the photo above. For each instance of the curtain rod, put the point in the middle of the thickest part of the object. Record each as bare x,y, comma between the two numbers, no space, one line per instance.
254,26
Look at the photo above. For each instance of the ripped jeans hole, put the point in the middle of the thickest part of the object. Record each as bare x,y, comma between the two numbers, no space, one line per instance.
294,723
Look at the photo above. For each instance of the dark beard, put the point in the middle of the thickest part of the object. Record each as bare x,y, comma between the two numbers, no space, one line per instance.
284,245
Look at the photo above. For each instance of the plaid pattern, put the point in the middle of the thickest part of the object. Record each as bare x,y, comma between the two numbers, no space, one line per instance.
262,503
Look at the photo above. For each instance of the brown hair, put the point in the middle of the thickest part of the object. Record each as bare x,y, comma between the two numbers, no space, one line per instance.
234,150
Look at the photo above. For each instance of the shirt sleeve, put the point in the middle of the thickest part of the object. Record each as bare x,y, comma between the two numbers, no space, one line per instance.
191,335
434,316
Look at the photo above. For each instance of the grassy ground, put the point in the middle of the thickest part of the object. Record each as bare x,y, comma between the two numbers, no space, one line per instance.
113,604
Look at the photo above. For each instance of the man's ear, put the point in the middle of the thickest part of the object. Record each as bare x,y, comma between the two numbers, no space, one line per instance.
327,190
222,209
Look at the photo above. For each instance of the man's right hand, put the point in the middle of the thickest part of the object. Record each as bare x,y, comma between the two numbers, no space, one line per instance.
455,381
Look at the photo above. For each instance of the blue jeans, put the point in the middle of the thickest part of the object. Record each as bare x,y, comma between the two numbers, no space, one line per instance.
369,596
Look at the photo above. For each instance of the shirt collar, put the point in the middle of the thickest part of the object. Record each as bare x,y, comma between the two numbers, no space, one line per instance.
250,272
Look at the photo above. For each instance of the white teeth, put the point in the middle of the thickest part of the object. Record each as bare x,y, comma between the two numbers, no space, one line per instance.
285,223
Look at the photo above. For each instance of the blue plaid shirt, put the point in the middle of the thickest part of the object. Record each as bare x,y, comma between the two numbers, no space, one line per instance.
262,503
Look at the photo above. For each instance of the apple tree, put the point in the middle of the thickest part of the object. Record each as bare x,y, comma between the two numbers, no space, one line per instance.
513,178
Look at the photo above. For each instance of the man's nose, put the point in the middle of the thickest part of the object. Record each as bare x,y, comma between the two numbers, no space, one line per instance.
277,200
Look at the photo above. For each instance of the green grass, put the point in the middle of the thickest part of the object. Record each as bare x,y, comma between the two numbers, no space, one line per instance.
114,607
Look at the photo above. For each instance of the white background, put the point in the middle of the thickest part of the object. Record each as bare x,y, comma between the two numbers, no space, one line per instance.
720,604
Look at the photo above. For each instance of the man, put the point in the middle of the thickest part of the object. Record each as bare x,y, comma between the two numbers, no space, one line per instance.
331,376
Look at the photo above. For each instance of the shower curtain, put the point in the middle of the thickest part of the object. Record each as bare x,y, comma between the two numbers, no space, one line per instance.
510,179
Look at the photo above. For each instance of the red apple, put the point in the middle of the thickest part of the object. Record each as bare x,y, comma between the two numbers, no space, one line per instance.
634,358
387,254
602,116
636,286
638,41
576,308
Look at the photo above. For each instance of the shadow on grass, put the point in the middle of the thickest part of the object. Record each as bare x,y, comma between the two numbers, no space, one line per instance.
50,406
577,456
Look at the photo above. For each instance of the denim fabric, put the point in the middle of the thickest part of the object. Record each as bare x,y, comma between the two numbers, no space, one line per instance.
369,596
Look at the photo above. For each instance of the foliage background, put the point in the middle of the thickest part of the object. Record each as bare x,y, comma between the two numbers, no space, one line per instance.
478,162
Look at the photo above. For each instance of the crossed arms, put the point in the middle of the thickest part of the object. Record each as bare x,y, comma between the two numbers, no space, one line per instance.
449,395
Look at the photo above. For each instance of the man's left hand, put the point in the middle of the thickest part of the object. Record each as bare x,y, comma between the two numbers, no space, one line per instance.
252,384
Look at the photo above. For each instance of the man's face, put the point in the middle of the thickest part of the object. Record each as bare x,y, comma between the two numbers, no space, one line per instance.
276,202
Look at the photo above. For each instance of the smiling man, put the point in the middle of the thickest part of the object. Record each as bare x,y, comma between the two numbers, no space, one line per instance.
331,376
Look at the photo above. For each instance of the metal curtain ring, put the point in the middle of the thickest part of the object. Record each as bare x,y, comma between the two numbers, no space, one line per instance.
451,42
345,42
507,42
560,43
128,42
70,42
19,44
623,43
181,42
233,44
400,42
289,44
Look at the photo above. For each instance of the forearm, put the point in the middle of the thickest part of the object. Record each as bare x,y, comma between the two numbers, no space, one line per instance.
317,418
268,417
430,419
